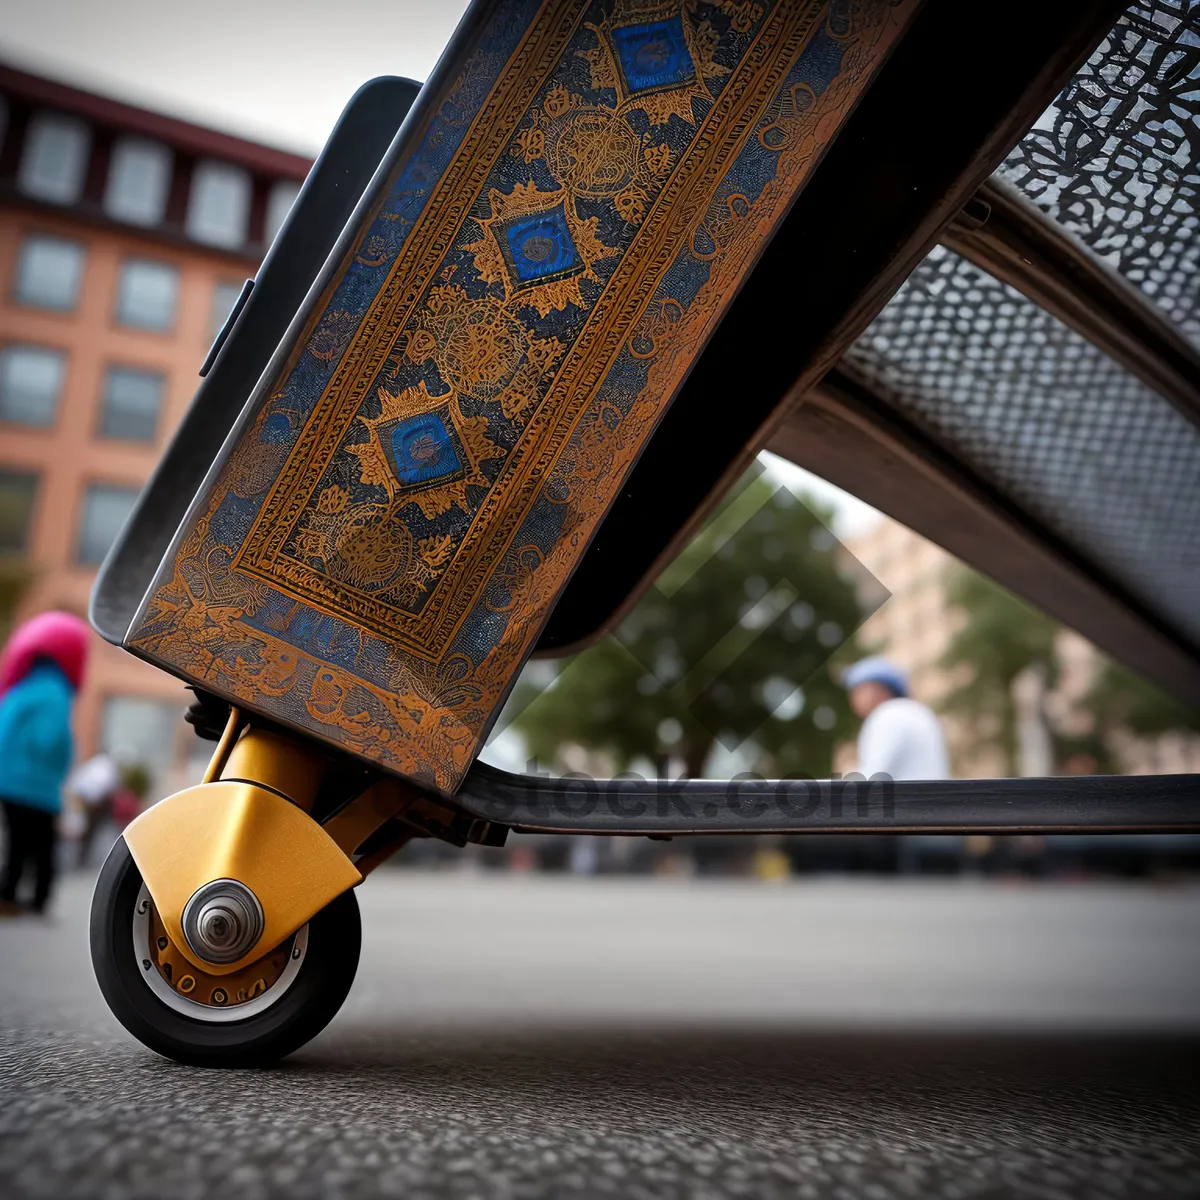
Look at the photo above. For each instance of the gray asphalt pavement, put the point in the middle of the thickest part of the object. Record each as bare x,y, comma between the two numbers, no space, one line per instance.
513,1036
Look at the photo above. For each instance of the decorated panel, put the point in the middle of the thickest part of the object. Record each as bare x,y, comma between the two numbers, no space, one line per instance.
377,554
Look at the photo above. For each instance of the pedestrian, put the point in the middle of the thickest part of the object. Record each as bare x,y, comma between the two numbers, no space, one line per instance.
95,782
900,736
130,795
41,669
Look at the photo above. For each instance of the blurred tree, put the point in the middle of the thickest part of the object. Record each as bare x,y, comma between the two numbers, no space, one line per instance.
732,645
1122,701
137,778
1001,638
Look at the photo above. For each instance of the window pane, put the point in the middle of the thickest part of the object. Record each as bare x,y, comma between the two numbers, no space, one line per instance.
49,271
138,178
132,400
55,158
146,295
279,203
105,508
31,379
17,492
225,296
140,732
219,205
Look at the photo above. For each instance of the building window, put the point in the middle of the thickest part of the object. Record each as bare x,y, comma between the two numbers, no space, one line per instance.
132,400
18,490
147,293
279,203
54,160
139,177
49,272
219,205
138,731
225,296
31,379
105,508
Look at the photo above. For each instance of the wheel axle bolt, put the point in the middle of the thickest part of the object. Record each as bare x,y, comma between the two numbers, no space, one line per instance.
222,921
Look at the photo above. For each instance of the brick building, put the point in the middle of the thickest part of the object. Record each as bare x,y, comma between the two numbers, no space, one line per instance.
125,237
914,626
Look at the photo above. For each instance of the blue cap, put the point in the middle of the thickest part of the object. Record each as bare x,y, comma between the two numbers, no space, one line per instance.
876,670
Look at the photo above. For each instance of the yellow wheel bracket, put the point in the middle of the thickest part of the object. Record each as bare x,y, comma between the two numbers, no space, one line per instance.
234,830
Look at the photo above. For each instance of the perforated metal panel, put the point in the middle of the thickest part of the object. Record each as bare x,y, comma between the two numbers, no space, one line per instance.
1028,404
1116,159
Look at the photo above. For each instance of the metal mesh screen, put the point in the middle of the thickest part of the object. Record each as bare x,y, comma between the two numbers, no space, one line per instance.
1101,460
1116,159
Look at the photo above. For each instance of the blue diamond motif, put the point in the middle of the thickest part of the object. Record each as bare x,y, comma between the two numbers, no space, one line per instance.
538,247
423,449
653,56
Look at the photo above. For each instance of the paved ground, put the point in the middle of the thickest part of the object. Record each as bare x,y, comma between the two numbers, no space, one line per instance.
547,1037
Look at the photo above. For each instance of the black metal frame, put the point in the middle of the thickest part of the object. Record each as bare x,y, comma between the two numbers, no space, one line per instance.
879,154
928,133
1010,239
631,805
891,190
850,435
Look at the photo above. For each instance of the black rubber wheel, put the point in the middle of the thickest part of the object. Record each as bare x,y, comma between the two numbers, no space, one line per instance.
308,1004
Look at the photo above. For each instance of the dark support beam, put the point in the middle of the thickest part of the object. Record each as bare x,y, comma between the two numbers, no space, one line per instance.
853,438
1010,239
929,132
1093,804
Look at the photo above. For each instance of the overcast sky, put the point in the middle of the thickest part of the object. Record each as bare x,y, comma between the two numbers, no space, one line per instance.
276,70
280,70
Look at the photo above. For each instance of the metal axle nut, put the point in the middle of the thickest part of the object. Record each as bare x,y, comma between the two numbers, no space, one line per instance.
222,921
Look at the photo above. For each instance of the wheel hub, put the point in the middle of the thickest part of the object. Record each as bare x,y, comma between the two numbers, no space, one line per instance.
222,921
196,994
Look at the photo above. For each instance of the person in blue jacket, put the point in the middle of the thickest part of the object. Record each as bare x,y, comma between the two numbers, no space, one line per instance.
41,670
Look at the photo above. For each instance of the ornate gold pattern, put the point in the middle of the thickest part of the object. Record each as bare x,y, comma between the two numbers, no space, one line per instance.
481,350
660,103
596,153
556,291
401,559
434,499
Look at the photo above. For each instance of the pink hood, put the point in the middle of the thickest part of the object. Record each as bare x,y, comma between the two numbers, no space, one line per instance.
59,636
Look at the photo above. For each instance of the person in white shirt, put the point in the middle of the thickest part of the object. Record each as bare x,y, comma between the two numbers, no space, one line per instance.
900,737
95,782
